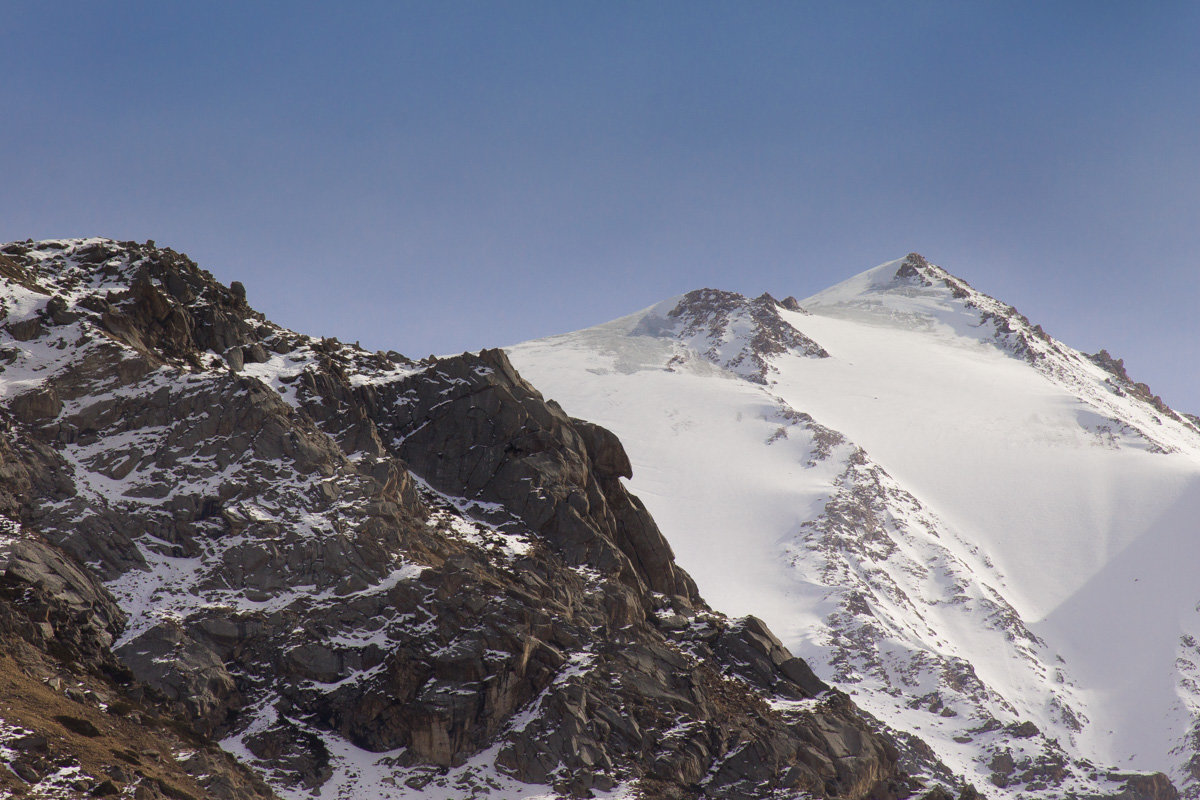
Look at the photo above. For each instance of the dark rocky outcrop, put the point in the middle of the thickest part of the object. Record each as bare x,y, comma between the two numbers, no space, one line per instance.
1121,384
1143,787
73,721
475,428
303,544
735,332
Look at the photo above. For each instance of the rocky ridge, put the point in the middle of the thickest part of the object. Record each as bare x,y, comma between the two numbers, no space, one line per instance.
75,722
367,575
902,579
1012,332
732,331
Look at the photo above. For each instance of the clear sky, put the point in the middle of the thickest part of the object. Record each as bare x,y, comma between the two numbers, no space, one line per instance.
440,176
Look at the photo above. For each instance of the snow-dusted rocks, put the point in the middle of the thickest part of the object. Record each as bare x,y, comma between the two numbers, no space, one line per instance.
731,331
976,529
373,577
73,724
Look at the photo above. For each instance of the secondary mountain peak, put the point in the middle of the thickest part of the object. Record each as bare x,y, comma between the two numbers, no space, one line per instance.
910,285
731,330
915,266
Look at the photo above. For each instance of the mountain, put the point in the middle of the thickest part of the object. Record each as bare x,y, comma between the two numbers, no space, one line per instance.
237,561
986,537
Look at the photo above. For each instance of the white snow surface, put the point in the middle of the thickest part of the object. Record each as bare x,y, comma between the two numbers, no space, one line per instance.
1028,522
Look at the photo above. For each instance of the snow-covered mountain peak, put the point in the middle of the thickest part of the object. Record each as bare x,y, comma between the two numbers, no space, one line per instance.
730,330
975,525
914,294
926,306
910,276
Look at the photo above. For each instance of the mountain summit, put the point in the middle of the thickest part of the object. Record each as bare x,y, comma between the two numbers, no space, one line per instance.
982,532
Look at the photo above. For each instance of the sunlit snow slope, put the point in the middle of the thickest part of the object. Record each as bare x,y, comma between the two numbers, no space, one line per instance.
989,537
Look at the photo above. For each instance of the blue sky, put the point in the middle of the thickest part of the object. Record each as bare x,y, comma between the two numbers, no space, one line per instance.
434,177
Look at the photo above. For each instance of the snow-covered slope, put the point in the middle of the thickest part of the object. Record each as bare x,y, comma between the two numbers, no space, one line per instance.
989,535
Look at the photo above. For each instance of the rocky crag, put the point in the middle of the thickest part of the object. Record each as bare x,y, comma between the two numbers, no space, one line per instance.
733,332
361,575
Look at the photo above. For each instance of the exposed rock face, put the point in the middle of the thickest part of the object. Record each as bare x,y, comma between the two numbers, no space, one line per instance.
307,549
735,332
68,613
1121,384
73,722
471,426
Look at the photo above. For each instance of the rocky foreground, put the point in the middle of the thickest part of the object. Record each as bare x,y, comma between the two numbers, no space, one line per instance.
361,575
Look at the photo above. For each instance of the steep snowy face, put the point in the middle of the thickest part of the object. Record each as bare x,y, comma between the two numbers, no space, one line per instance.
913,296
984,530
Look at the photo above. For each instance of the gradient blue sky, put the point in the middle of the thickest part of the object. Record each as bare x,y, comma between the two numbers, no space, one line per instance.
441,176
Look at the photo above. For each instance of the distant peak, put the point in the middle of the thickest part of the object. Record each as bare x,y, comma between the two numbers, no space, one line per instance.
733,331
705,302
913,293
915,268
911,276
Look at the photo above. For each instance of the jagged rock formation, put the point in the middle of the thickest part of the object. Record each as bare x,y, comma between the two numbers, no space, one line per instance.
365,575
732,331
74,721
